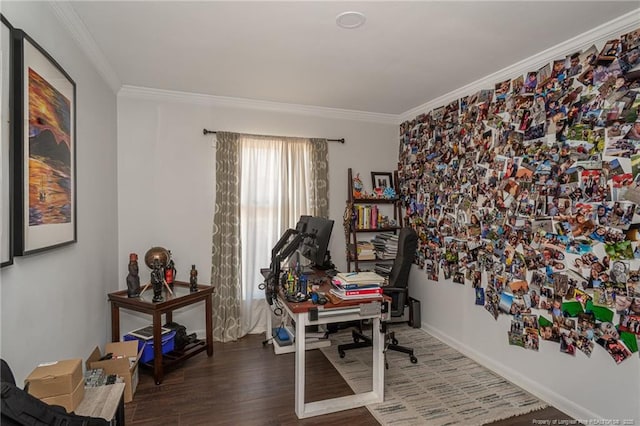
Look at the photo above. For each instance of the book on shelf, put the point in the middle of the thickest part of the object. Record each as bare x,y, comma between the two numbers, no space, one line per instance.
367,216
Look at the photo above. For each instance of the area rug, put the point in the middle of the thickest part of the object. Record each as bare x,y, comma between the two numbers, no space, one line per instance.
443,388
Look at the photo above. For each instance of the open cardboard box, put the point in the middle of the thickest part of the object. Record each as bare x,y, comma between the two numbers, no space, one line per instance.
58,383
124,364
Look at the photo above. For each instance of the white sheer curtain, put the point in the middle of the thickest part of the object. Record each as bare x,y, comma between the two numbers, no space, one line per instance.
276,187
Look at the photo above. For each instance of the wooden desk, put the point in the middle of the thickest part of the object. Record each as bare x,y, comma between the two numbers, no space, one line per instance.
181,297
347,310
106,402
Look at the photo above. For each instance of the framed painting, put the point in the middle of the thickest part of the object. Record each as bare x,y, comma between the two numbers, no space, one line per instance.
6,249
44,150
382,180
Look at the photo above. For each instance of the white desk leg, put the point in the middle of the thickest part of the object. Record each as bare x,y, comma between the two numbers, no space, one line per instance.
378,360
268,334
300,363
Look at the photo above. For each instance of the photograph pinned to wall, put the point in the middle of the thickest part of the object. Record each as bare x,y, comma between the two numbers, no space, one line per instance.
630,323
573,65
531,339
630,40
516,339
567,344
549,330
609,52
6,250
517,85
502,89
44,147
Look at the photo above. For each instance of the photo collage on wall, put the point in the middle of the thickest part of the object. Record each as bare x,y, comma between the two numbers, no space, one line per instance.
529,191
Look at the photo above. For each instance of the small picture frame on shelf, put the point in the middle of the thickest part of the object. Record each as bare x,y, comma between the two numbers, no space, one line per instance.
381,180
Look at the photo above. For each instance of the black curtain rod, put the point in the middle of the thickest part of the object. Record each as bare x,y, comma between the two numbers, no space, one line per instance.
209,132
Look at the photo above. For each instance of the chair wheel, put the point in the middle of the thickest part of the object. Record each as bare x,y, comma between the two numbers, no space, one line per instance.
342,354
414,360
394,341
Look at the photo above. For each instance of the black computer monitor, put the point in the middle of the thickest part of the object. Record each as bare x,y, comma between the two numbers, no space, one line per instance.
301,226
315,245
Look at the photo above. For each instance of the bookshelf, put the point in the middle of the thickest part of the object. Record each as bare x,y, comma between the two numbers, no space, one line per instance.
365,223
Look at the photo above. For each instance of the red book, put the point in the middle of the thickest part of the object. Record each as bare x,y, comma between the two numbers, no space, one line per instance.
362,292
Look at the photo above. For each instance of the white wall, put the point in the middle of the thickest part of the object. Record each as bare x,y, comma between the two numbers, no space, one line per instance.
586,388
166,174
54,304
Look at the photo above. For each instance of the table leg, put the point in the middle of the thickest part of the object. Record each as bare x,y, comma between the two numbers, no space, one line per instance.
300,364
115,323
378,360
157,347
208,311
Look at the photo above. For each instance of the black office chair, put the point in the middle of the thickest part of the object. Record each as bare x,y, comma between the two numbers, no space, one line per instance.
397,289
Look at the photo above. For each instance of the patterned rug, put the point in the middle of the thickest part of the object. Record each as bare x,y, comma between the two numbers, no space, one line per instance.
443,388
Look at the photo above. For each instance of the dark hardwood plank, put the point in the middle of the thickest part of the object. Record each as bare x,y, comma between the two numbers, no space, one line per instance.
246,383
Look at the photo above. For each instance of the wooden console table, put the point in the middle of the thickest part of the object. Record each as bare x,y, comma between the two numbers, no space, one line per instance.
181,297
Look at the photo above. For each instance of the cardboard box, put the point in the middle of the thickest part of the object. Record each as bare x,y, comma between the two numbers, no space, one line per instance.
124,364
69,401
55,378
58,383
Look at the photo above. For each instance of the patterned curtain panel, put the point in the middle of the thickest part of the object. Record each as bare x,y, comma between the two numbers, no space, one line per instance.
226,245
320,179
263,185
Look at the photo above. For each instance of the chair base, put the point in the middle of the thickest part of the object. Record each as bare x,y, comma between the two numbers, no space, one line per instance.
362,341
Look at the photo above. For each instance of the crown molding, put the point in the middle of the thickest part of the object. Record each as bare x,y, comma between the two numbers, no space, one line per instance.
145,93
70,19
599,34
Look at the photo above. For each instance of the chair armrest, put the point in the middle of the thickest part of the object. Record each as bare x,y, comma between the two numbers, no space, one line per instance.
398,299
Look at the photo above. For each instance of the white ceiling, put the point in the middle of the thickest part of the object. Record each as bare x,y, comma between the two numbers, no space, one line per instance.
406,54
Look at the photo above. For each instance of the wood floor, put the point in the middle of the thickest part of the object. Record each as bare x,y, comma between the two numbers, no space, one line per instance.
244,383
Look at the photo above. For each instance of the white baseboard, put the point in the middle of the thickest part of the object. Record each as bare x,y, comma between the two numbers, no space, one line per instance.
535,388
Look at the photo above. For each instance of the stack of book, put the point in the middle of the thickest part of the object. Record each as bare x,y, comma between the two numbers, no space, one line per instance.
357,285
385,245
383,269
366,251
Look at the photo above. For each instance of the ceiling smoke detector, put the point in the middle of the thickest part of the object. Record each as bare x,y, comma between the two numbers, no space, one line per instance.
350,20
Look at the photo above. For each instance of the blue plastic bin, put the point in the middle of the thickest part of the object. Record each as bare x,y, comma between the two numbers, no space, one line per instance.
168,341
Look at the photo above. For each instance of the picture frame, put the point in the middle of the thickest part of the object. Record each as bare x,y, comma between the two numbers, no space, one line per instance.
381,180
6,154
44,143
